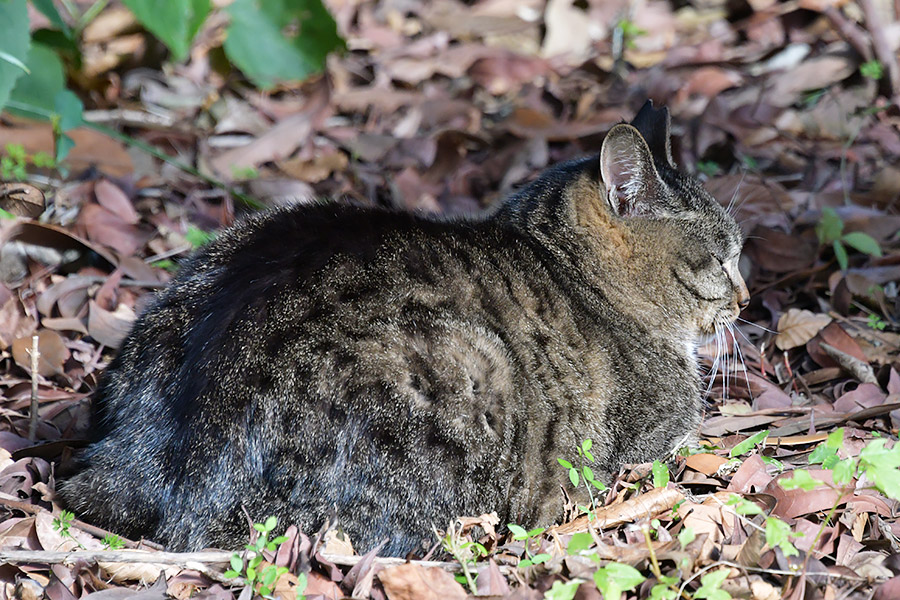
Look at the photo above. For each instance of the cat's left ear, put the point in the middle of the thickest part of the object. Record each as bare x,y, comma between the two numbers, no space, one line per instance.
626,167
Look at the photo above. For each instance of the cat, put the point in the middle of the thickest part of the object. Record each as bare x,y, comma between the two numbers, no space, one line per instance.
398,370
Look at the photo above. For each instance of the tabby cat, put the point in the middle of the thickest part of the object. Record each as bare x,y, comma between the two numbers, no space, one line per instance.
397,370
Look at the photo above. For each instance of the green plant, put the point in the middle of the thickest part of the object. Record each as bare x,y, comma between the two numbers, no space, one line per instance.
660,474
876,322
563,591
519,533
13,165
830,231
197,237
466,552
585,474
708,168
748,444
248,566
630,31
711,586
113,542
62,522
615,578
872,69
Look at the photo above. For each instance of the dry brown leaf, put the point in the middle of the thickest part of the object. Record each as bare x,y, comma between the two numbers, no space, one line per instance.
113,199
414,582
705,463
796,327
52,348
109,327
143,573
21,199
645,506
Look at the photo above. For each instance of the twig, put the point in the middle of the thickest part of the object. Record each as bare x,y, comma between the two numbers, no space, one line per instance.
196,561
452,567
850,31
862,371
35,363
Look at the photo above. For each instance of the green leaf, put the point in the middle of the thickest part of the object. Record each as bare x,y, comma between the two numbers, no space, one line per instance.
615,578
800,478
280,540
37,91
573,476
599,485
863,242
197,237
562,591
518,532
686,536
236,563
539,558
4,214
587,444
749,443
174,22
302,582
821,453
525,563
271,522
710,585
842,472
840,253
660,474
536,532
49,10
269,575
835,439
742,506
580,542
587,473
280,40
778,535
662,591
251,574
564,463
230,574
872,69
882,466
829,227
14,44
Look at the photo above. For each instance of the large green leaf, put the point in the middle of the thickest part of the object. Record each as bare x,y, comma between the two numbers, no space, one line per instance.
174,22
14,45
280,40
49,10
37,91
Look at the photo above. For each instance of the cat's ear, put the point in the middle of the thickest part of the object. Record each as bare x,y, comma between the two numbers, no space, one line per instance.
626,168
654,125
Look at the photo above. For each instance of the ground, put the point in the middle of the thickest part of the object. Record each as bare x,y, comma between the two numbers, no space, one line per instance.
787,111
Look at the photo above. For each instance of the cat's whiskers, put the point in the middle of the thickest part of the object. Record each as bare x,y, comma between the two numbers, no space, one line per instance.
740,356
767,330
734,196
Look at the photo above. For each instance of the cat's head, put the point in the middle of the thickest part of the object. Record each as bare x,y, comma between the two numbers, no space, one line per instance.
678,223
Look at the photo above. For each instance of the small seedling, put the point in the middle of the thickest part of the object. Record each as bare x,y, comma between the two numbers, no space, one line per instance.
113,542
872,70
263,581
197,237
615,578
520,534
585,474
14,165
711,586
750,443
830,231
876,322
466,552
62,522
708,168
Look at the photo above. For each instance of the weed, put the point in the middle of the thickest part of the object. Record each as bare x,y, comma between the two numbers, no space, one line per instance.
63,522
872,70
14,165
263,580
113,542
708,168
830,231
519,533
876,322
584,474
466,552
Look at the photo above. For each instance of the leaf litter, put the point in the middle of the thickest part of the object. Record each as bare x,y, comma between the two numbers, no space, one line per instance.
447,107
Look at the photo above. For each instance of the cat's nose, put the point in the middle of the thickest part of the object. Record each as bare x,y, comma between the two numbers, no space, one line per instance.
744,303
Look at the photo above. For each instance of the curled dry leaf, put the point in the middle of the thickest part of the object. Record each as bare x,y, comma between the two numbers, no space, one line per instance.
52,348
414,582
109,327
644,506
796,327
705,463
21,199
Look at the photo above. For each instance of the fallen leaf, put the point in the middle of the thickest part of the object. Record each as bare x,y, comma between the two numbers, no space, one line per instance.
796,327
52,349
414,582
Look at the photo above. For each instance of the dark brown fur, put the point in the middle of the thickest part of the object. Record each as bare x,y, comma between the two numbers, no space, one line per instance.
399,370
